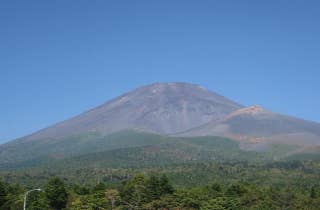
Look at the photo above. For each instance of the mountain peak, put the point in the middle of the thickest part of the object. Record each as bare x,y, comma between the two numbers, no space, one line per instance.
160,86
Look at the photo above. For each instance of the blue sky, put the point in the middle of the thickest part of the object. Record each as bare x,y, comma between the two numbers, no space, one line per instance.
59,58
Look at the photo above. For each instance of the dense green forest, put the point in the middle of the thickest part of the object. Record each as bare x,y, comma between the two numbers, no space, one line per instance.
157,192
290,184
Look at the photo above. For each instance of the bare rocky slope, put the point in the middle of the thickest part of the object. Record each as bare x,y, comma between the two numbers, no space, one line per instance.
162,108
256,127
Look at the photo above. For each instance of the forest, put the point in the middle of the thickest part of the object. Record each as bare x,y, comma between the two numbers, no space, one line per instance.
274,185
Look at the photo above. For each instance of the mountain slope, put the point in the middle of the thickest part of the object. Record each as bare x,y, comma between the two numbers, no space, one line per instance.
91,142
259,126
162,108
135,149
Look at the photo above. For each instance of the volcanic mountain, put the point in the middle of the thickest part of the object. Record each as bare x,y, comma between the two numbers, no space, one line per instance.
163,109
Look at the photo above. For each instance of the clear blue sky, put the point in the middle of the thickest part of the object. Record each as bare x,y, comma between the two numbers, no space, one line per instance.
59,58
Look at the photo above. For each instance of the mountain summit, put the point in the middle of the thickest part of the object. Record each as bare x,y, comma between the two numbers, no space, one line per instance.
163,108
